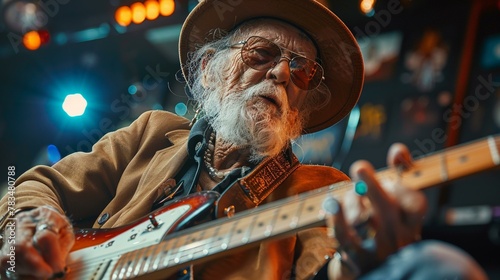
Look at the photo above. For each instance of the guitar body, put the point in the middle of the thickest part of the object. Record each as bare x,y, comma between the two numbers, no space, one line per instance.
97,250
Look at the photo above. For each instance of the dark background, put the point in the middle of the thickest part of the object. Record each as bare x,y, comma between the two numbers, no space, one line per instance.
34,83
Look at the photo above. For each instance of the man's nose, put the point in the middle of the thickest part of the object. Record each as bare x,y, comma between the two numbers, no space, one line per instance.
280,72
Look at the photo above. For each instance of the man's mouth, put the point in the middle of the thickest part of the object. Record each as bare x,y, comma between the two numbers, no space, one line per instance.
271,100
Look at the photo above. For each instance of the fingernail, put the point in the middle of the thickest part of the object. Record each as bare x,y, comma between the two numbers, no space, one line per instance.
360,188
331,205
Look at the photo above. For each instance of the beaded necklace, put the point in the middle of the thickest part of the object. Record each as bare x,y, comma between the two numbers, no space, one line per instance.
208,158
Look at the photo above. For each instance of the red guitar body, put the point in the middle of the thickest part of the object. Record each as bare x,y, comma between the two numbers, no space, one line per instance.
96,250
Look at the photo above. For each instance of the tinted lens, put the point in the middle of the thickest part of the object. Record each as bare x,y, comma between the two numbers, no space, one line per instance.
306,74
262,54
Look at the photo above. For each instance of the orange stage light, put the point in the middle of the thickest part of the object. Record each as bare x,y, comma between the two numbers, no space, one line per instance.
138,12
167,7
152,9
123,16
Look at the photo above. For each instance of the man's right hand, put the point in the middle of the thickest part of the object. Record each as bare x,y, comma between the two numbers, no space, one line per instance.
41,242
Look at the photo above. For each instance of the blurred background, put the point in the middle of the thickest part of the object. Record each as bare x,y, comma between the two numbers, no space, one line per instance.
73,70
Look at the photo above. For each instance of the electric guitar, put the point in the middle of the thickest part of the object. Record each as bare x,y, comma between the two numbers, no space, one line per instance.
166,241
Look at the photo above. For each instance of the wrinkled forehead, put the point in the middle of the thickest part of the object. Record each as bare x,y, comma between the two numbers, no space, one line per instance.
280,32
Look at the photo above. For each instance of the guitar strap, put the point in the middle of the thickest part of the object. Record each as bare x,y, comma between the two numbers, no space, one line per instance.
249,191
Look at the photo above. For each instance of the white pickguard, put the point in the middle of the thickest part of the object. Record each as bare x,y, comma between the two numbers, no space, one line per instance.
97,262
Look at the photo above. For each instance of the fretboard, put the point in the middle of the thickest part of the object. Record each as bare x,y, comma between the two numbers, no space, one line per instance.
447,165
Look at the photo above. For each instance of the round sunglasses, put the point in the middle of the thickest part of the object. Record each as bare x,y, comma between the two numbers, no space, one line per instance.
262,54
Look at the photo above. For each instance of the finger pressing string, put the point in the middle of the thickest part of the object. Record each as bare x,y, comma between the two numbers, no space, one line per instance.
337,228
399,155
380,200
331,207
337,225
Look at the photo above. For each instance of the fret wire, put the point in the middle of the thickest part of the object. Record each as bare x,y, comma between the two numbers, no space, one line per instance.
271,225
163,253
256,232
202,242
150,253
478,158
130,269
236,238
231,231
494,150
186,243
280,226
295,219
313,204
246,238
206,249
140,260
444,170
171,250
158,253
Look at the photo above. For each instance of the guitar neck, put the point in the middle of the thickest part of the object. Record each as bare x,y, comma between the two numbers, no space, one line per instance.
447,165
290,215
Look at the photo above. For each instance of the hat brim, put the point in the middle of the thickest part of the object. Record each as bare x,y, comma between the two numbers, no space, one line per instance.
338,50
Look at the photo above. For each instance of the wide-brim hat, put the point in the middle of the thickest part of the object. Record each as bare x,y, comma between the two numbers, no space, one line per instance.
338,50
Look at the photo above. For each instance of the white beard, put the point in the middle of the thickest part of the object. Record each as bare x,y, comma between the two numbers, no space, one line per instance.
246,120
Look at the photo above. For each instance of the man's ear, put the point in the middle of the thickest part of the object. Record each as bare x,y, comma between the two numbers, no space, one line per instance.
204,62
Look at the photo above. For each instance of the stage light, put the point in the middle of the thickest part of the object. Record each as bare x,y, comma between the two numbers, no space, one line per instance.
152,9
53,154
22,15
157,106
34,39
180,109
138,12
367,7
123,16
74,105
132,89
167,7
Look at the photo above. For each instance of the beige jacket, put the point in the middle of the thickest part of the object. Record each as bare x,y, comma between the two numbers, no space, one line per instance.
121,177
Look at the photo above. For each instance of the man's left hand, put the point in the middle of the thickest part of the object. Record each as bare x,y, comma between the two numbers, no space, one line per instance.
371,227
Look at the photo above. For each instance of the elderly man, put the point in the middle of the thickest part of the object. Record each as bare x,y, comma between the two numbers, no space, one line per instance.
262,73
